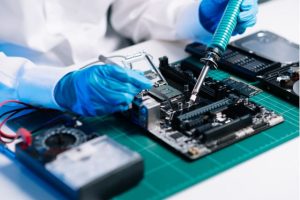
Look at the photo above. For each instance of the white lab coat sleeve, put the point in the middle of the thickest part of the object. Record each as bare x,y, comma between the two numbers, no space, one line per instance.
158,19
22,80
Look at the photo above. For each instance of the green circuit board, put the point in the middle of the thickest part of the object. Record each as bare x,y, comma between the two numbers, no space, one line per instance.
179,174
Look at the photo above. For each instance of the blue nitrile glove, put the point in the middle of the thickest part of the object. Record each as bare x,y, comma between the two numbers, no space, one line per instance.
99,89
211,11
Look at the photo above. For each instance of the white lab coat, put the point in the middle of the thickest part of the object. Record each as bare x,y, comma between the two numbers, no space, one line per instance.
39,38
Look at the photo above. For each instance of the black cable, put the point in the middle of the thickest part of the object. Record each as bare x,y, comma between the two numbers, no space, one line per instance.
46,124
15,110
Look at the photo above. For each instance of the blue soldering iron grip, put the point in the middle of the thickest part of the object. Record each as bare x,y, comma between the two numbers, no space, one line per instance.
226,26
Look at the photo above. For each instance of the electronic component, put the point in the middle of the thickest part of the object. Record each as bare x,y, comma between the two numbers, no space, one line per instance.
269,45
77,161
242,63
283,82
165,92
241,87
222,116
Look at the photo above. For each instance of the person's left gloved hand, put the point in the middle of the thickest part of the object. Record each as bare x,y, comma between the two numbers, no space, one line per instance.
211,11
99,89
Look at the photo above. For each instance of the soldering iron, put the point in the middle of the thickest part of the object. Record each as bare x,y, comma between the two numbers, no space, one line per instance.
218,43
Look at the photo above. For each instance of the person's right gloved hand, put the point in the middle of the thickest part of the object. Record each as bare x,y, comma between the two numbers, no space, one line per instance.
211,11
99,90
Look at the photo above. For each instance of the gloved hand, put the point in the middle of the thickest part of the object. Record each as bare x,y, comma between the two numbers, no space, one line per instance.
211,11
99,89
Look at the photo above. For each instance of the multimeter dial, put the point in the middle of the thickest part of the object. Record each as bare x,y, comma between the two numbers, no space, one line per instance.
59,139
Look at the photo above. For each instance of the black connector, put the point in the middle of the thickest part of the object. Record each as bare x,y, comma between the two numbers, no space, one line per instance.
221,131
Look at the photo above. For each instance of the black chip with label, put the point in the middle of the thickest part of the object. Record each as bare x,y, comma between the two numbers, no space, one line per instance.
165,92
176,135
241,87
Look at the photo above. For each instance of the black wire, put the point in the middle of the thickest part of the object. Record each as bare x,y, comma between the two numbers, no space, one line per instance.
46,124
15,110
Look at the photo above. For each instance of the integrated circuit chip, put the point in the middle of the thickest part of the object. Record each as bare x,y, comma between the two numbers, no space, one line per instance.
241,87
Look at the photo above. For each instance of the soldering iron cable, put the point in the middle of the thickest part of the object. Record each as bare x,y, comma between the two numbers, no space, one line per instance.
226,26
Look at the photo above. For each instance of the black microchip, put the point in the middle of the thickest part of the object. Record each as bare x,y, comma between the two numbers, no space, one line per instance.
165,92
241,87
169,91
176,135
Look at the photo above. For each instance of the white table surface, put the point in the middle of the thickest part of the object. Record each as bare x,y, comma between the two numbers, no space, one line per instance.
272,175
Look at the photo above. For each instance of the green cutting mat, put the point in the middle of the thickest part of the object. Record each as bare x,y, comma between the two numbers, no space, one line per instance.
166,173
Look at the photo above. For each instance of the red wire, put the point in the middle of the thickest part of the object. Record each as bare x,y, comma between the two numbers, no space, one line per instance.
14,101
8,136
5,135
